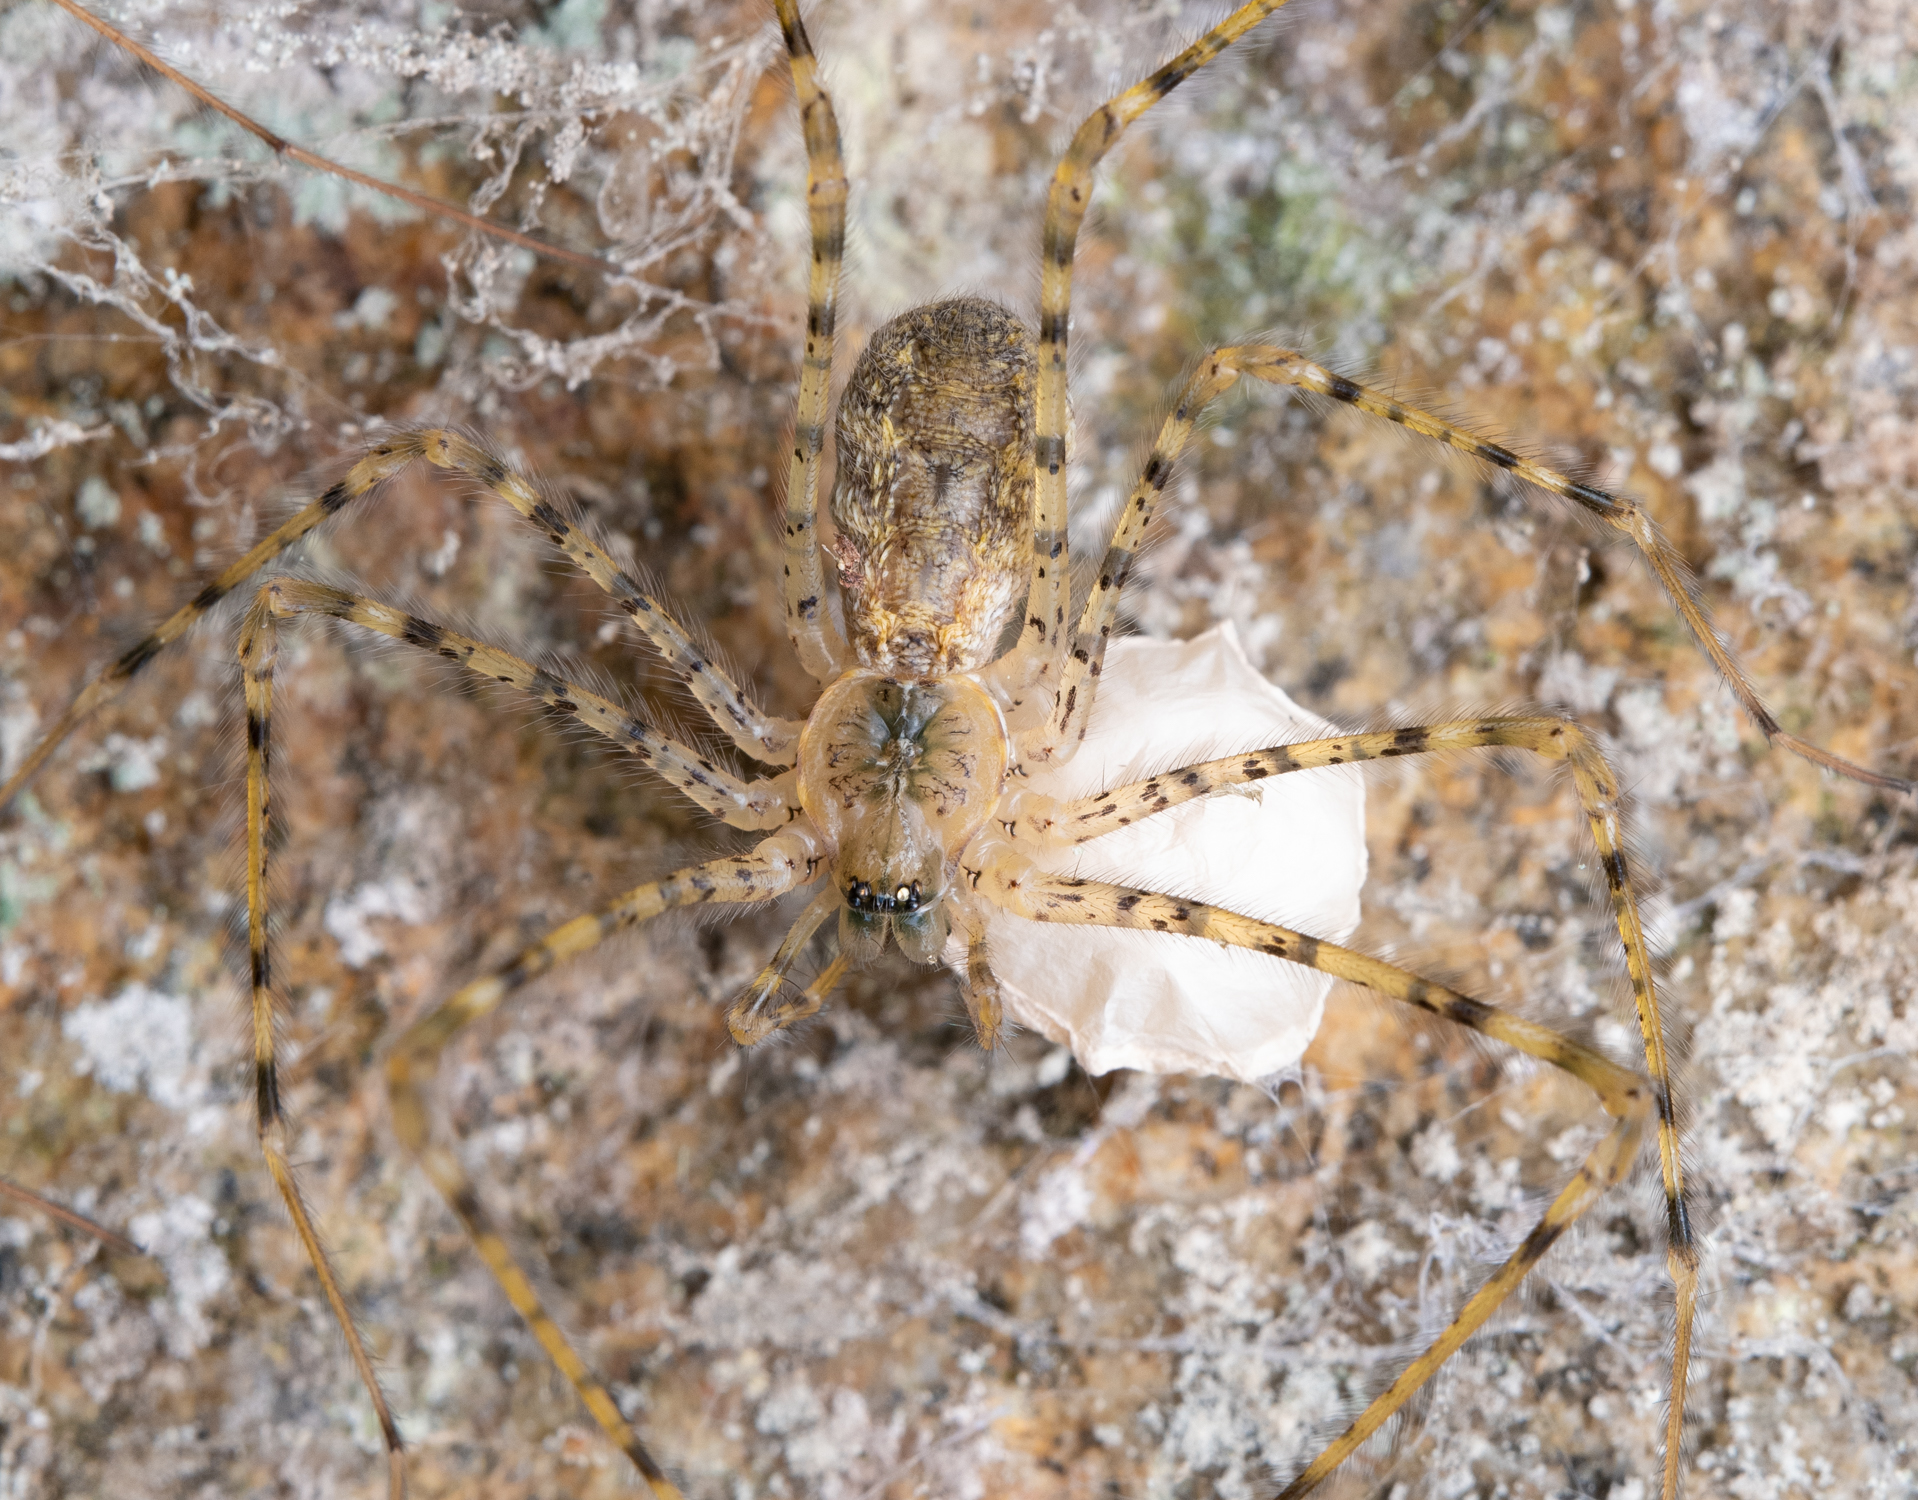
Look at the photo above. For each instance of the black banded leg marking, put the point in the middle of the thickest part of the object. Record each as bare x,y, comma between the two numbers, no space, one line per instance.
1620,512
744,804
374,468
1057,739
258,648
776,866
1049,823
1043,641
821,648
1628,1097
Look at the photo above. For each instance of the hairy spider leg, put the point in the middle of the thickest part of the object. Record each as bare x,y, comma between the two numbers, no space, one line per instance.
1059,735
765,1007
1042,642
1064,729
1047,822
1620,512
743,804
1003,876
780,863
259,648
985,1001
769,871
772,740
827,980
765,873
368,474
822,649
72,1218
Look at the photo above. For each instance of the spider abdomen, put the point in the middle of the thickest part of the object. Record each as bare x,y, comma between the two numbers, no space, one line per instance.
933,504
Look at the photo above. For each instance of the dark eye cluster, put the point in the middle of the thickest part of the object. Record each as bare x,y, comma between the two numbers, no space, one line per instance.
860,896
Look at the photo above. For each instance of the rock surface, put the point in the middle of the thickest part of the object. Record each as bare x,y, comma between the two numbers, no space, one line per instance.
1673,241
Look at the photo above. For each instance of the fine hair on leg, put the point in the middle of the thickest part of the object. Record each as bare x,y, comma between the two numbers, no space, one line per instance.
1043,822
1003,876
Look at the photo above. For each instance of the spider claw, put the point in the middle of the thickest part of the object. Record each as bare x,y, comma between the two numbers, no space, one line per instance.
768,1006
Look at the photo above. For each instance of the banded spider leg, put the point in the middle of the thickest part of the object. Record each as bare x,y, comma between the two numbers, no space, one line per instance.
1002,877
779,864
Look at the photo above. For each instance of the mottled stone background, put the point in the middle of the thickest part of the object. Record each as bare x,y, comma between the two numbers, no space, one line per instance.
1673,242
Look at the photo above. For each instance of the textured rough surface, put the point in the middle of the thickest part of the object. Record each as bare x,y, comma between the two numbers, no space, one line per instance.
1674,239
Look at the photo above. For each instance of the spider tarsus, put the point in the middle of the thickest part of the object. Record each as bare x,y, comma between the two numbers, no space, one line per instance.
72,1218
1840,766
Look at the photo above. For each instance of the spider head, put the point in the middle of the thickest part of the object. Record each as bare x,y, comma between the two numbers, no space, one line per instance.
898,775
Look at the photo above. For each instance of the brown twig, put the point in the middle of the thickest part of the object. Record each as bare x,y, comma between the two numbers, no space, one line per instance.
288,150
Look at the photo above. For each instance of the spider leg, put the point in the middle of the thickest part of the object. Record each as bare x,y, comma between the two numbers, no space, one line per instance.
780,863
1042,642
72,1218
985,1002
821,648
764,1007
1620,512
1044,822
1001,875
258,648
1059,736
824,983
744,804
365,476
774,741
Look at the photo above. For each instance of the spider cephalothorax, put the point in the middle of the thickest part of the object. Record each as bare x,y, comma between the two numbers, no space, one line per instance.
898,775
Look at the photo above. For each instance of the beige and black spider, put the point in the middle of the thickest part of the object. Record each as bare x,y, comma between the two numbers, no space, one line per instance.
309,594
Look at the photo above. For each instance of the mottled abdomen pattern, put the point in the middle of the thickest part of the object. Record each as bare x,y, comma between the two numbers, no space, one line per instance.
933,504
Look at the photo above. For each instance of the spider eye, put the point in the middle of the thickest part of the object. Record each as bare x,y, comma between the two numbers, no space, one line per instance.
905,898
